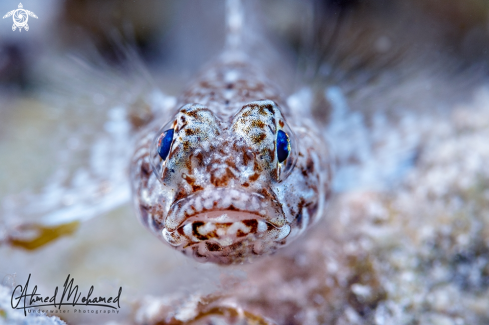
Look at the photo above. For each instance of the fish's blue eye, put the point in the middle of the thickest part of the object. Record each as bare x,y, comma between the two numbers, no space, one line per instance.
283,146
164,143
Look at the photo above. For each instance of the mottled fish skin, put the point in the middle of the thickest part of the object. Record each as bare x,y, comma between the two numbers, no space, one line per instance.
221,194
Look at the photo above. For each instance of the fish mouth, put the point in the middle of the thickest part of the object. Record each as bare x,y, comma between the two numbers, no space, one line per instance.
221,224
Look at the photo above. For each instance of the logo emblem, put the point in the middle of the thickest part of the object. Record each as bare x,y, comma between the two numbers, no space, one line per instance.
20,16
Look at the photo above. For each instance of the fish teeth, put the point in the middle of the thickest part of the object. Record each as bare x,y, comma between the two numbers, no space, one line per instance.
207,228
187,230
233,229
225,233
262,226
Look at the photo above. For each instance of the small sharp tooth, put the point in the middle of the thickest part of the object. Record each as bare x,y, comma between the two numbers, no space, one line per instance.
238,225
206,229
262,226
187,230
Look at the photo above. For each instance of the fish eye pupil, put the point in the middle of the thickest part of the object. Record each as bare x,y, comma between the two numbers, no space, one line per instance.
283,146
164,143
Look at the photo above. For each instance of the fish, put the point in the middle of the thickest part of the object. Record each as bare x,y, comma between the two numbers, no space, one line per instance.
236,171
233,168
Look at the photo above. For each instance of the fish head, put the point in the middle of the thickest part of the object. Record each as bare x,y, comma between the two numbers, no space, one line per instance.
230,190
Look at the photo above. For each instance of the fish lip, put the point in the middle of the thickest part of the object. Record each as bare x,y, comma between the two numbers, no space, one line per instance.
224,199
253,231
235,215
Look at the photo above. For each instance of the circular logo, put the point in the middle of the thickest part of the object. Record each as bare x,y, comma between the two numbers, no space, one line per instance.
20,18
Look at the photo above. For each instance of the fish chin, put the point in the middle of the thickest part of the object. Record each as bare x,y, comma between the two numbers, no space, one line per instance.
225,226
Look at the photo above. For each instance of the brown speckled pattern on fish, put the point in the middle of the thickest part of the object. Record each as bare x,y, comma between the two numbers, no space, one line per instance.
221,193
